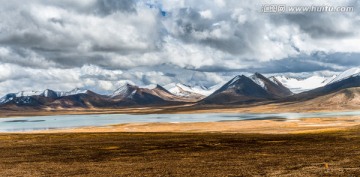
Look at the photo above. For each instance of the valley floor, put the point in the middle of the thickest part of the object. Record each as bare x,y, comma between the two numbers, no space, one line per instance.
331,153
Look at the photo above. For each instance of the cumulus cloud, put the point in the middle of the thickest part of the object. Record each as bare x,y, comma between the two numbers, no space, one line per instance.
100,44
104,81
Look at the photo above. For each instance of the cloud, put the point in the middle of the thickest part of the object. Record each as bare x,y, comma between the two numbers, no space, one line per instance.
100,44
60,34
323,26
111,6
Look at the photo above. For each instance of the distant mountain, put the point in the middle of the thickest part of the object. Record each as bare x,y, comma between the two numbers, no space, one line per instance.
50,98
45,93
186,91
134,95
301,85
26,97
240,89
83,99
20,101
341,89
124,91
31,95
274,87
126,95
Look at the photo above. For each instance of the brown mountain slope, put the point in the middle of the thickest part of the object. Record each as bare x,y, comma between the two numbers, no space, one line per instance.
166,95
348,98
131,94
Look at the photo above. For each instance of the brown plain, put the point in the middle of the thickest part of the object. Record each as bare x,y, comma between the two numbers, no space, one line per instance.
331,153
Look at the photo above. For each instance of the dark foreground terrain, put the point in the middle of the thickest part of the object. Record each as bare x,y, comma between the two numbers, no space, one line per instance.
180,154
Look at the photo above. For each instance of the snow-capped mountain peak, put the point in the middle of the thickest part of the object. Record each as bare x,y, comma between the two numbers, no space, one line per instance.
346,74
50,94
124,90
272,86
234,80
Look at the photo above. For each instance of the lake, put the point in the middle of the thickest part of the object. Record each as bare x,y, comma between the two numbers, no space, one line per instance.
23,124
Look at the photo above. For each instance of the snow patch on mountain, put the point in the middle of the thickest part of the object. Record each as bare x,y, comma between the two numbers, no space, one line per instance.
28,93
258,81
46,93
74,92
301,85
232,81
184,90
7,98
346,74
123,90
179,89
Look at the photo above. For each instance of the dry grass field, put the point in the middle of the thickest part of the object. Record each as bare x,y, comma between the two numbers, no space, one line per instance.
335,153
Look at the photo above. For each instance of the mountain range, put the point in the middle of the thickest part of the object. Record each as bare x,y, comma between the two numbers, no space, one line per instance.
256,88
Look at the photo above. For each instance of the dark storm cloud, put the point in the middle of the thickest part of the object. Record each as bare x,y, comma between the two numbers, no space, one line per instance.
342,59
191,25
214,69
106,7
318,61
319,25
68,61
294,65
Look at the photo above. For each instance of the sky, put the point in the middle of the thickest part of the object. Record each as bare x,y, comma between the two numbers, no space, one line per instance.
102,44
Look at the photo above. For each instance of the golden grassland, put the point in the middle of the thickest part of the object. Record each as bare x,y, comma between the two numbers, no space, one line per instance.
327,153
